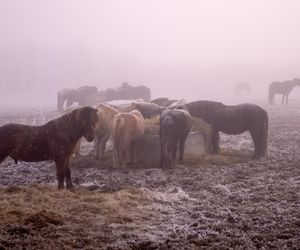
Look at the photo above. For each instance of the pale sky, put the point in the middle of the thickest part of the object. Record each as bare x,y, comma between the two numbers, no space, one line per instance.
46,45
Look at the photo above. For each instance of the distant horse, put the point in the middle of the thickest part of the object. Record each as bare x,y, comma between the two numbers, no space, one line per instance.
242,88
103,130
80,95
56,140
127,130
234,120
175,125
282,88
127,92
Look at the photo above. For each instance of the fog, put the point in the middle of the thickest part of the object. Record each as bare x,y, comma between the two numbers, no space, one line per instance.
182,49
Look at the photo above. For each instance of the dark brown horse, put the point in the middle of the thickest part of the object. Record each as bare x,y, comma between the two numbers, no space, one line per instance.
282,88
234,120
56,140
175,126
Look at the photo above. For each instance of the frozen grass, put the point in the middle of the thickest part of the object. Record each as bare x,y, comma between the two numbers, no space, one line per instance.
224,201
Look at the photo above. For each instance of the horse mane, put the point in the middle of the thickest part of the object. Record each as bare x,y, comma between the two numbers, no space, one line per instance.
69,125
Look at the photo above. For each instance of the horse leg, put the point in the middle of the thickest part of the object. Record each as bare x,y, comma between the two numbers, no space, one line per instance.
287,99
115,158
69,183
255,138
103,146
97,147
60,173
128,153
77,148
215,141
181,148
134,151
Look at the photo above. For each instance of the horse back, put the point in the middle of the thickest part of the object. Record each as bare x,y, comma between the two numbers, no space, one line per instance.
240,118
28,143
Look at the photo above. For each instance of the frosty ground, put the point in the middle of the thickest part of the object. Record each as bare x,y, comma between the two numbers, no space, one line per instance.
214,202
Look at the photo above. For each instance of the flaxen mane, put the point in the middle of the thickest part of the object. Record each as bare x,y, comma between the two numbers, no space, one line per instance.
56,140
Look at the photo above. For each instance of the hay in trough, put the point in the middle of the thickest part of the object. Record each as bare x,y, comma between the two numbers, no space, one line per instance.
198,125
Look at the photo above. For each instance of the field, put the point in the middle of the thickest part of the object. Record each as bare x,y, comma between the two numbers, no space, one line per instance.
214,202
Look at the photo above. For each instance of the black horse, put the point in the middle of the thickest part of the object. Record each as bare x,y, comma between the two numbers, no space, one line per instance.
234,120
282,88
175,126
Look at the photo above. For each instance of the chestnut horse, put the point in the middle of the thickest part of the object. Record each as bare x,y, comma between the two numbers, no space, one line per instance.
56,140
127,130
175,125
234,120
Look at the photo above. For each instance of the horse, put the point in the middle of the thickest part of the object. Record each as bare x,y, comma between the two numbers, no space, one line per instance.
234,120
127,92
55,140
103,129
282,88
80,95
242,88
127,130
175,125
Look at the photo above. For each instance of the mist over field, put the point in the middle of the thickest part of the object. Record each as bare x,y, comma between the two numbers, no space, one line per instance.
235,182
180,49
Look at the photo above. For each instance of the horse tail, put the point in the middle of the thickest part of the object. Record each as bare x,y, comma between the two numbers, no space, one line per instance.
264,134
166,140
117,135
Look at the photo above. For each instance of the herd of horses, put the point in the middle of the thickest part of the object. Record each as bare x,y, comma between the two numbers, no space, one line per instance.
89,95
59,138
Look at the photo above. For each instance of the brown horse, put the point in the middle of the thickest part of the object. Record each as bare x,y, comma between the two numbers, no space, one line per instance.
282,88
234,120
128,129
175,125
56,140
103,129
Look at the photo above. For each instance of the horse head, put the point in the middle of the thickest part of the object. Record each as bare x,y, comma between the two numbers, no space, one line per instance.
87,118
